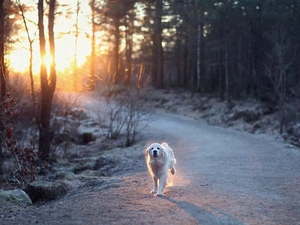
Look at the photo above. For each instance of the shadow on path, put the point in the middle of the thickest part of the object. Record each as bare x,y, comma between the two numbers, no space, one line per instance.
203,216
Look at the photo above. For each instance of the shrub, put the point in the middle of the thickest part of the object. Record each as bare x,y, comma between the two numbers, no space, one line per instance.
124,110
24,169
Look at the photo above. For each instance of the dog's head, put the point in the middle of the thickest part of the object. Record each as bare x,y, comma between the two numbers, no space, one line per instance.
155,150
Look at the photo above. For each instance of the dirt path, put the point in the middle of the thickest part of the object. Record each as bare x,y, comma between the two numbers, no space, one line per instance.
223,177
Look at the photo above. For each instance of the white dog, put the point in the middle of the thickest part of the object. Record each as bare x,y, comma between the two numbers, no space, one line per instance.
160,159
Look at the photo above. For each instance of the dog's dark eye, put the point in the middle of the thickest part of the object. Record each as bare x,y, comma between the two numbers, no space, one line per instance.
158,148
152,148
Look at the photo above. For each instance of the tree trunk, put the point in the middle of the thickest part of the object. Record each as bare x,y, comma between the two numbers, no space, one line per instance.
116,78
2,62
282,103
2,74
199,46
220,71
52,78
91,80
47,83
185,59
199,43
75,71
226,48
283,68
157,68
226,69
129,44
178,60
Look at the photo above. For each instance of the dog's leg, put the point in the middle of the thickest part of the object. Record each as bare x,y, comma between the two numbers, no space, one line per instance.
173,170
162,184
155,185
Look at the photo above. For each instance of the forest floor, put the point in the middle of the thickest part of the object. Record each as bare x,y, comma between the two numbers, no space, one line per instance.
117,192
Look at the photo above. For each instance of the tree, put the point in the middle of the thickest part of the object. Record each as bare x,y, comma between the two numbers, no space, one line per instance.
129,45
2,62
5,32
91,80
278,62
199,49
2,73
48,81
157,52
75,73
116,24
7,27
116,11
30,41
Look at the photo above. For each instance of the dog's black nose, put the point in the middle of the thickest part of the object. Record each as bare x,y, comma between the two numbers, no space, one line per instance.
155,153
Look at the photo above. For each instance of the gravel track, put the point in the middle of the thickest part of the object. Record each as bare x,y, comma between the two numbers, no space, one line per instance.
223,177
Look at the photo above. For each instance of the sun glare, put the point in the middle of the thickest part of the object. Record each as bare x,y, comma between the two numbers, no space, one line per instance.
19,60
47,60
65,42
64,56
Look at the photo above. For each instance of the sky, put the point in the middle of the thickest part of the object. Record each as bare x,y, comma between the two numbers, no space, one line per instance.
65,37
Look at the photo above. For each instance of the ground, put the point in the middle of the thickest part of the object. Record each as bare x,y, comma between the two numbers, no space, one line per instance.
223,177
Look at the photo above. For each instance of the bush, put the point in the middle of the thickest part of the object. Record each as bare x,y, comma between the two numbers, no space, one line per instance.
124,110
24,168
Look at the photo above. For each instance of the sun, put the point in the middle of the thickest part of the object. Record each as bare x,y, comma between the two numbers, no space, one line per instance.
47,60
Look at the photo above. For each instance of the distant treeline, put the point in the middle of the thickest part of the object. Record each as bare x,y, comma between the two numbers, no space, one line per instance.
228,48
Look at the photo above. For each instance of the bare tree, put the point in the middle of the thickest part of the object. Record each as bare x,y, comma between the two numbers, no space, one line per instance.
116,117
136,112
75,72
48,83
278,61
30,41
124,111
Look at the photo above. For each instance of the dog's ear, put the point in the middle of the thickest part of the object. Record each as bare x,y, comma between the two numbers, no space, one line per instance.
147,151
162,150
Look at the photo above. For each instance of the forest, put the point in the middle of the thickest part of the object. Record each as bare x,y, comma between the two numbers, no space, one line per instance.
227,49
